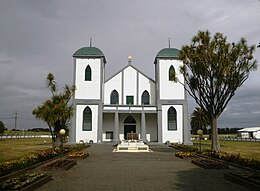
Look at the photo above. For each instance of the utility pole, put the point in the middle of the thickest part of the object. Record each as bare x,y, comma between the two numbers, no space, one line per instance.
15,119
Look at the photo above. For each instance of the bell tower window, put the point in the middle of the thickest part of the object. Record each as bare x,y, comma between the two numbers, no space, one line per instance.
172,74
88,73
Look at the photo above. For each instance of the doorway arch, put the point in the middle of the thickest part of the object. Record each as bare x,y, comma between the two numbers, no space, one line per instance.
129,126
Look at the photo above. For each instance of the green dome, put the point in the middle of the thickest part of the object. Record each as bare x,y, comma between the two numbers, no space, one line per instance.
88,52
168,53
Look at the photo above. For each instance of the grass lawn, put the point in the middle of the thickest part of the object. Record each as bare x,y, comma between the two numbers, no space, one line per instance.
13,149
246,149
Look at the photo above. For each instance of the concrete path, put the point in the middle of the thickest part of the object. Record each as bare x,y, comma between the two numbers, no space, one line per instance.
158,170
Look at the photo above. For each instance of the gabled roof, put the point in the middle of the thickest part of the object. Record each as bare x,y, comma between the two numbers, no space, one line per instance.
130,65
250,129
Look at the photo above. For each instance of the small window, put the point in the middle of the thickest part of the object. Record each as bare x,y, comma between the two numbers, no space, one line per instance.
145,98
129,100
109,134
172,119
87,119
114,98
172,74
88,73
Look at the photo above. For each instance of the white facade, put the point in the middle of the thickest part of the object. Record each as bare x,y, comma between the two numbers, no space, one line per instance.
129,101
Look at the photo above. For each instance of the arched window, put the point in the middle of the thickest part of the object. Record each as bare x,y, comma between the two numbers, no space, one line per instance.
145,98
172,74
172,119
88,73
87,119
114,97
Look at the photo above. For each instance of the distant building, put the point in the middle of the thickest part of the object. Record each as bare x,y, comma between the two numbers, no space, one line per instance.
250,132
129,101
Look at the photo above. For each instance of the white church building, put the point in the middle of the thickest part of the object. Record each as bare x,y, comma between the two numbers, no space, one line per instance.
129,101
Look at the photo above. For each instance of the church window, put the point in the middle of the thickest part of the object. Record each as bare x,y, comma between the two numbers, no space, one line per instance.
172,119
88,73
129,100
172,74
145,98
87,119
114,98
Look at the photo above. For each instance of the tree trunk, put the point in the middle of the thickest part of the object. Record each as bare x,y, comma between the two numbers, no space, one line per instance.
215,146
53,143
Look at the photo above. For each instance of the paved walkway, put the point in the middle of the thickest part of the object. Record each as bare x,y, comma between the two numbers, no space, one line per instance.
158,170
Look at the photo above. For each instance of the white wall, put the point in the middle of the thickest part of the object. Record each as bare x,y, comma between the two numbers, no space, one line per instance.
87,89
130,86
170,89
113,84
86,136
173,136
130,82
146,84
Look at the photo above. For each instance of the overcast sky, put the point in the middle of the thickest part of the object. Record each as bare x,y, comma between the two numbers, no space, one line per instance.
38,37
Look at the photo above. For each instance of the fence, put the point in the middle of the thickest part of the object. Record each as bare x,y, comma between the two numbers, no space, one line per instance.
20,136
240,139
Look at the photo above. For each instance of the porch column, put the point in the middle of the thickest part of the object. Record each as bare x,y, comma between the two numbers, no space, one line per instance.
143,127
116,128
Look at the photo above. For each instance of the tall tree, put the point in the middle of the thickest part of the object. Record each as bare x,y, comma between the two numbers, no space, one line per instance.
2,127
199,120
213,70
56,111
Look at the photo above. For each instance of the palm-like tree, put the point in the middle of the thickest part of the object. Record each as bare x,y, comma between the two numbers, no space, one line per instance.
56,111
199,120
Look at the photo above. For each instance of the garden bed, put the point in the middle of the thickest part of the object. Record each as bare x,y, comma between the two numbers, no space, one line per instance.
78,155
210,164
25,182
60,164
246,179
186,155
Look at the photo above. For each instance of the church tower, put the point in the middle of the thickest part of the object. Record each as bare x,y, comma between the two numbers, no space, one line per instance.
89,64
173,123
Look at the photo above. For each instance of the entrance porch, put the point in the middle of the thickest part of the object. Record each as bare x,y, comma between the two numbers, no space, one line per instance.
117,123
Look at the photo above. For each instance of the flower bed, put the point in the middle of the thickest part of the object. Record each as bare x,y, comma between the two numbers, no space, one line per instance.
60,164
25,182
15,165
184,155
78,155
184,147
246,179
209,164
236,159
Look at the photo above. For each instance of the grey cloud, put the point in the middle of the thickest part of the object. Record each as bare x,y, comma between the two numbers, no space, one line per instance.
38,37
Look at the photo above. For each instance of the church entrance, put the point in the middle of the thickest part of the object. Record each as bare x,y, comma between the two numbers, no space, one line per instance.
129,126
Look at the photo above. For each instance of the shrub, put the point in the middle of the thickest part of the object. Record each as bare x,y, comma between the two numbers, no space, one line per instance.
78,154
21,181
185,154
236,158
